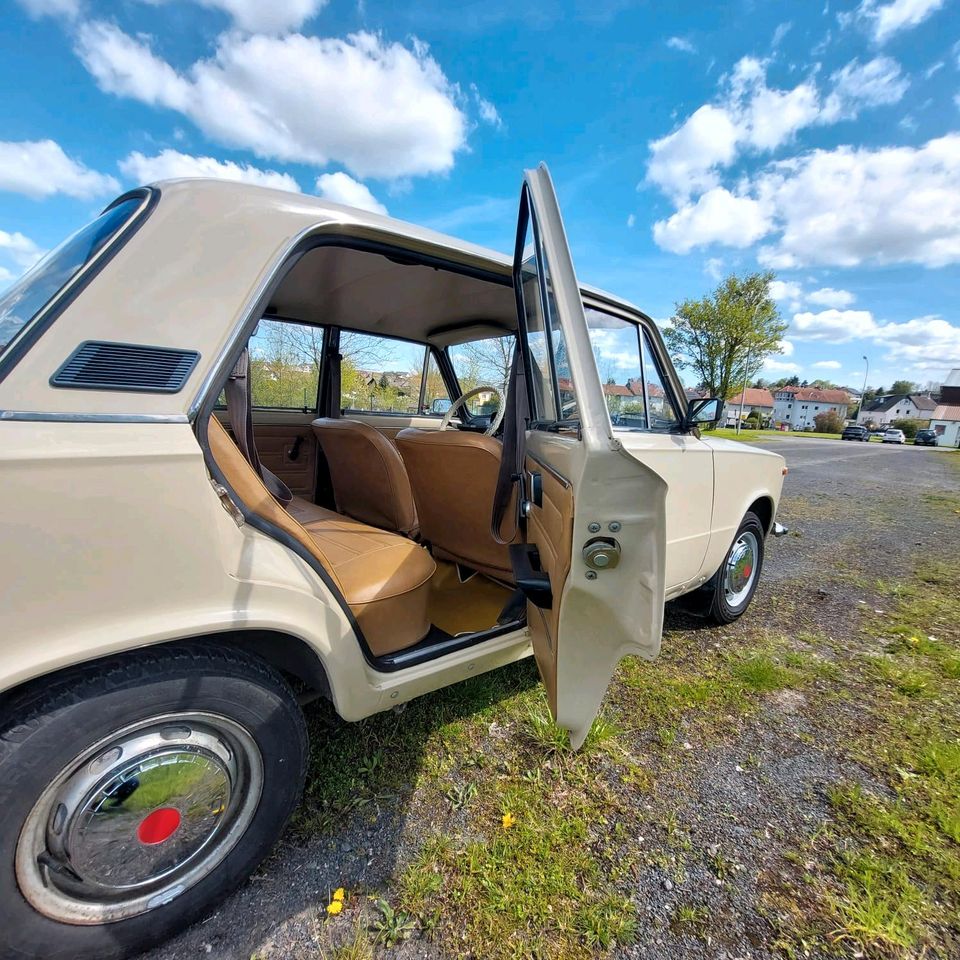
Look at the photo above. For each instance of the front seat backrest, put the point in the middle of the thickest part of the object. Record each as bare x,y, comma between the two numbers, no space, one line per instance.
369,479
454,475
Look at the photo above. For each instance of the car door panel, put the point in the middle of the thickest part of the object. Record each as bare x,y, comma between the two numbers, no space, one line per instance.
598,615
685,463
290,452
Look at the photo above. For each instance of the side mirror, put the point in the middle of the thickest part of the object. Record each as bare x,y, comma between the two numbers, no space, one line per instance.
704,411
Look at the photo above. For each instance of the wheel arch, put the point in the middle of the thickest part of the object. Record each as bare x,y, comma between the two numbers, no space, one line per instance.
287,653
763,508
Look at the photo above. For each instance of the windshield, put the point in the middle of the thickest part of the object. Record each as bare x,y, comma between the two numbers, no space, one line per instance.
36,288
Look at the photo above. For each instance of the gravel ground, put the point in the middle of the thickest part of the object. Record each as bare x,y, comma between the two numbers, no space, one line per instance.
852,508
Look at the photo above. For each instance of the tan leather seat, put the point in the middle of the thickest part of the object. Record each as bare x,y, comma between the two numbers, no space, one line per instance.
369,480
453,474
384,578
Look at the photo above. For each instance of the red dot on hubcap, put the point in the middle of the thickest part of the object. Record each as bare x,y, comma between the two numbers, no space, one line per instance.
158,826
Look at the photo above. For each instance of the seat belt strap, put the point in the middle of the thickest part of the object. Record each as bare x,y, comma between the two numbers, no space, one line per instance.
513,458
240,411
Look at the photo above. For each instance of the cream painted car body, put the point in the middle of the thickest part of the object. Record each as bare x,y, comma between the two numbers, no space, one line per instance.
114,538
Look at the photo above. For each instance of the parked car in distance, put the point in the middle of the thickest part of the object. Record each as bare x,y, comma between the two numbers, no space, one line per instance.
892,435
855,432
925,438
174,595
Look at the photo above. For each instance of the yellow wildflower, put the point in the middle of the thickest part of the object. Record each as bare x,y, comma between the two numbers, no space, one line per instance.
334,907
915,640
338,894
508,821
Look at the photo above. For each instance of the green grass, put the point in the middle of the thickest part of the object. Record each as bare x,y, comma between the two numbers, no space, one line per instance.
889,880
763,436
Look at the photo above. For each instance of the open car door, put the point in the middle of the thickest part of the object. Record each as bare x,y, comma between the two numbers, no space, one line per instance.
593,562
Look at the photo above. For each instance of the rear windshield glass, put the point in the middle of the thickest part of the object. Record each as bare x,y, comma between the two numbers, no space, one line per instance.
36,288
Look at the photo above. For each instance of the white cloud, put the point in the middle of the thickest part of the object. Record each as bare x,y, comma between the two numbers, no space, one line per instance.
926,343
264,16
341,188
827,365
19,248
772,365
170,165
873,84
717,216
786,348
749,115
682,44
782,30
890,18
686,160
833,326
850,206
40,168
381,109
51,8
714,268
787,291
488,112
631,221
828,297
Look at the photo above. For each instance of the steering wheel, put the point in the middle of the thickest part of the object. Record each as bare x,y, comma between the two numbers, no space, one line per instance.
463,398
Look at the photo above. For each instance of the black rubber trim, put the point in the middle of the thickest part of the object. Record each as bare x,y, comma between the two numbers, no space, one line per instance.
437,644
84,277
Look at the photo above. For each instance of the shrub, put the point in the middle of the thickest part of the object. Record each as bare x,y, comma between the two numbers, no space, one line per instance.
909,427
829,422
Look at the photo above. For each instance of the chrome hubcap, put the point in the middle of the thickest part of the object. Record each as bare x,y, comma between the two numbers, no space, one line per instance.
741,568
139,818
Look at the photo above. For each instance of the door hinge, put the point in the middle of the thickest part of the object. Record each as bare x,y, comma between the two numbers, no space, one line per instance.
227,503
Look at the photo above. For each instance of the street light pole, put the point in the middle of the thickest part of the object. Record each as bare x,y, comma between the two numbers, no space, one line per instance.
864,390
743,396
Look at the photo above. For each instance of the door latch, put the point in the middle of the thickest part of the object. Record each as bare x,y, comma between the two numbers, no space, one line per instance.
601,553
227,502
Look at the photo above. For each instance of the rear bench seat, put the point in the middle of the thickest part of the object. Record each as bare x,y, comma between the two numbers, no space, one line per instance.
385,578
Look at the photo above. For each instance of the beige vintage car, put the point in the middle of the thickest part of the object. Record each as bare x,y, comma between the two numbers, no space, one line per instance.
253,443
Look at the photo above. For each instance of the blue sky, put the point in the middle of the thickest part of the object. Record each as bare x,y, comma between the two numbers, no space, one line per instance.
819,140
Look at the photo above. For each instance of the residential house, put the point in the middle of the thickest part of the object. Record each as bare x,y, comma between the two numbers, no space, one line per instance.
945,419
885,409
797,407
753,398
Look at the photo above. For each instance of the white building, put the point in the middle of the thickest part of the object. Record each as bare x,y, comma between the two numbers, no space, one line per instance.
885,409
797,407
945,420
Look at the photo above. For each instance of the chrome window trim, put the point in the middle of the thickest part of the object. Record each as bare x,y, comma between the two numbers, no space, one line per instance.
44,416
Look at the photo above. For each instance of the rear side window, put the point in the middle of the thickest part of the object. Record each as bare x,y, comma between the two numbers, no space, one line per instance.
47,278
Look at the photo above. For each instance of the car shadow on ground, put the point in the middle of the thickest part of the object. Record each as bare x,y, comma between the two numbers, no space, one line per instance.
351,828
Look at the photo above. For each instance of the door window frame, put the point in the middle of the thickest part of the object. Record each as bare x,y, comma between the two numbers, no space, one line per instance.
667,372
527,218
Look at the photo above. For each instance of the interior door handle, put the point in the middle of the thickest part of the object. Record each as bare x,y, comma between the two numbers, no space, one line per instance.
294,452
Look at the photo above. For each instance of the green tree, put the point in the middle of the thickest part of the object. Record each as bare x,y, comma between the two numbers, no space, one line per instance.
725,336
903,386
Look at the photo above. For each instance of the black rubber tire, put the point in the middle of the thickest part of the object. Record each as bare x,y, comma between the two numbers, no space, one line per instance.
45,728
718,611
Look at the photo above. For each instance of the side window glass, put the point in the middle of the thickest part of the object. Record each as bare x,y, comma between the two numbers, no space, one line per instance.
616,350
285,363
380,374
661,414
545,401
436,396
483,363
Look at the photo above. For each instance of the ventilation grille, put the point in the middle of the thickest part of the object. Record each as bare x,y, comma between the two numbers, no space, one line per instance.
97,365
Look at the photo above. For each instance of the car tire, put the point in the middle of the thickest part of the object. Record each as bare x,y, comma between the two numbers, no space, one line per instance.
137,792
730,590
